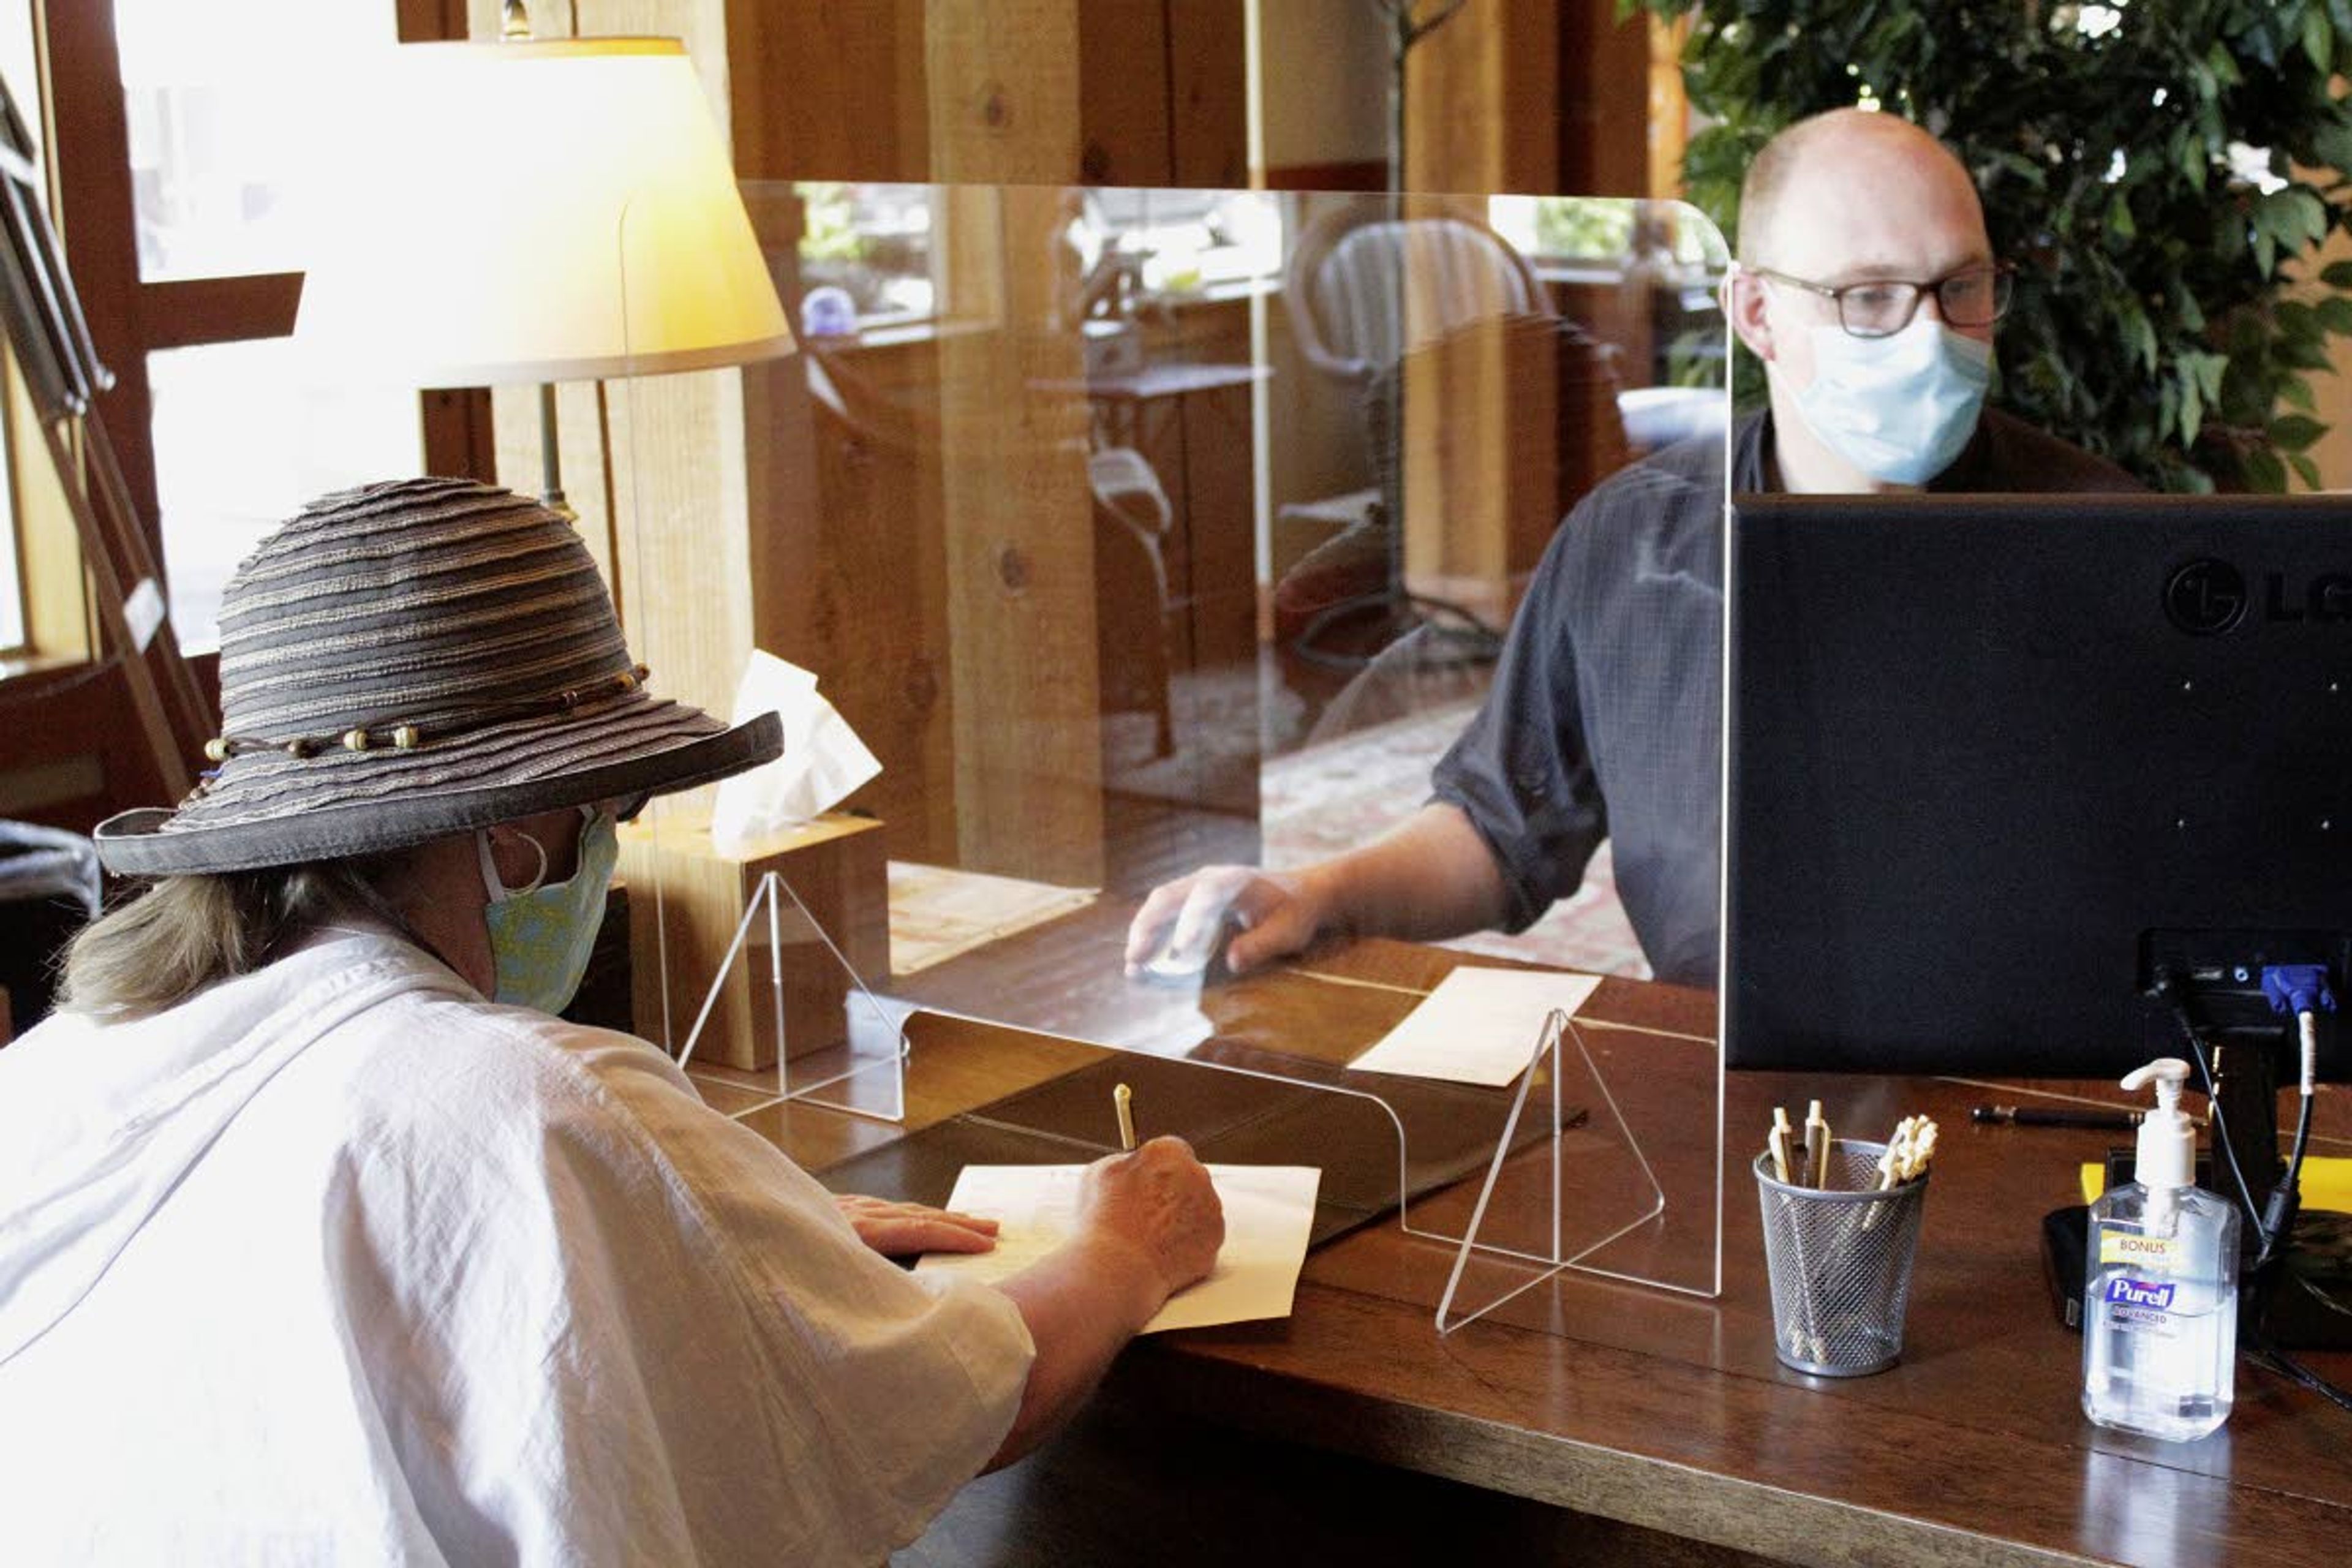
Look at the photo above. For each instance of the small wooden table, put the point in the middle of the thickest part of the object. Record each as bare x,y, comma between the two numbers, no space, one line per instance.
1122,399
1669,1414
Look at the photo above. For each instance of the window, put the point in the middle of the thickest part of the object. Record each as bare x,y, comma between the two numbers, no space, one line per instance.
1606,231
241,442
879,243
223,103
229,110
1185,240
873,242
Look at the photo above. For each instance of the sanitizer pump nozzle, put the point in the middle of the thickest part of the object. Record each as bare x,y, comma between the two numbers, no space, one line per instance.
2168,1139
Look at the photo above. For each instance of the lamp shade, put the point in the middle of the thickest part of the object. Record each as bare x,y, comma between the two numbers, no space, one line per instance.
535,212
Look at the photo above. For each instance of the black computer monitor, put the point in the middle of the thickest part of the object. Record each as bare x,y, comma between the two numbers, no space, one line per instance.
2038,785
1995,765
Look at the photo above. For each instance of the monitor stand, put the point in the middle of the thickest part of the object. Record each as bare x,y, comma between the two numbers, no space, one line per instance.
2303,1300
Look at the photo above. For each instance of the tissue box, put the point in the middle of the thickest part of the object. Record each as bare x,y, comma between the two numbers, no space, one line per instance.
836,866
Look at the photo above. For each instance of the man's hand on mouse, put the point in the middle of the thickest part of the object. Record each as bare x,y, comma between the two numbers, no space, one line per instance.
1272,915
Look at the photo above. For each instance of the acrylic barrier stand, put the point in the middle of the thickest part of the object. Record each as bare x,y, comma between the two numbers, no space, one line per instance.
1603,1155
759,975
1608,1162
855,1060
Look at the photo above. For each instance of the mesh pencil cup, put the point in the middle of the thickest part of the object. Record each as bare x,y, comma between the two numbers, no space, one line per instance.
1840,1260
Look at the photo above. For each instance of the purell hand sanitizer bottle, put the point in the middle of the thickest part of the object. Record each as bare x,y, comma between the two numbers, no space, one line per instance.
2160,1307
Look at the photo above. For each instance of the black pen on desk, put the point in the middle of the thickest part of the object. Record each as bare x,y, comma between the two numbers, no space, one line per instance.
1122,1100
2039,1116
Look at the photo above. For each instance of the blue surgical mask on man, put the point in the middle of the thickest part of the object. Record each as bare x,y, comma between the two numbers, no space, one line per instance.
542,934
1900,408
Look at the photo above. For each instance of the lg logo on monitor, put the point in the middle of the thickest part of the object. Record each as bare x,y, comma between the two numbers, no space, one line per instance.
2209,596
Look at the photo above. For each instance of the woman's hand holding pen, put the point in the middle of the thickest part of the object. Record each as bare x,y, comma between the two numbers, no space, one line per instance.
1158,1201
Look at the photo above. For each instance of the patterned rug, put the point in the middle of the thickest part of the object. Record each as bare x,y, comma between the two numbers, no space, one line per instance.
1337,793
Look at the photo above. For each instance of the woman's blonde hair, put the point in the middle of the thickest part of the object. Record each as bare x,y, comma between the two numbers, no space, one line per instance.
181,934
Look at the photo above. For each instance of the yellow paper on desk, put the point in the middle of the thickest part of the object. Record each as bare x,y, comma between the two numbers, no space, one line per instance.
2326,1182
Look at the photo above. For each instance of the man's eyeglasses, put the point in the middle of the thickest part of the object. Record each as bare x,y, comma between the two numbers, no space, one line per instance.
1881,307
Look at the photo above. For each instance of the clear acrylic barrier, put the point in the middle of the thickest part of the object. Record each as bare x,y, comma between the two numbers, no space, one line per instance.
734,970
1136,530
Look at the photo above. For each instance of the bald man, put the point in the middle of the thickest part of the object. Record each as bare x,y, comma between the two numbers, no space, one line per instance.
1868,288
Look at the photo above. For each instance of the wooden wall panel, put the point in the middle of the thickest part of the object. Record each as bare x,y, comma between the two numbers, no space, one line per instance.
1602,117
1669,108
1325,115
1208,93
2333,451
849,89
1124,57
1002,80
831,90
1531,96
1481,97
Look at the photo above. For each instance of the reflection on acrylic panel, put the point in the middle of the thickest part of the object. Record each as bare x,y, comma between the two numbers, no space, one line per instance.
1137,530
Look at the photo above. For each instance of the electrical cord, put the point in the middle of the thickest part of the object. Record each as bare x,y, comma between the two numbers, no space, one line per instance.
2246,1191
2275,1227
2332,1303
2272,1359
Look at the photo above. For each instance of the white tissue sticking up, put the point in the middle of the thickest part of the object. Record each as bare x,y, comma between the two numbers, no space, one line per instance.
823,760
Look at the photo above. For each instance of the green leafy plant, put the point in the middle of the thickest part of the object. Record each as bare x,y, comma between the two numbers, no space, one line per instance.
830,231
2156,168
1584,228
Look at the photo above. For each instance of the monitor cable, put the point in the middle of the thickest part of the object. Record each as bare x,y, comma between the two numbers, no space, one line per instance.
2301,989
2171,993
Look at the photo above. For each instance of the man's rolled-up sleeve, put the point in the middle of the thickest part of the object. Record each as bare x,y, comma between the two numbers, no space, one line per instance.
1521,772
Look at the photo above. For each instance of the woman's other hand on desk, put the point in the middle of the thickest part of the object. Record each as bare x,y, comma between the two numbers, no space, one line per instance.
903,1230
1158,1201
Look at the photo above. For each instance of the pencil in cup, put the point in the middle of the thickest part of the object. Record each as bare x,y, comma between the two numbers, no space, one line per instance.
1840,1262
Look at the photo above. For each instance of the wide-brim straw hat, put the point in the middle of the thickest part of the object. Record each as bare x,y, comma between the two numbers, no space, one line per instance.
414,659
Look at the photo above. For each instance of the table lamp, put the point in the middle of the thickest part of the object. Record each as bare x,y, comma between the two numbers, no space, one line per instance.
535,211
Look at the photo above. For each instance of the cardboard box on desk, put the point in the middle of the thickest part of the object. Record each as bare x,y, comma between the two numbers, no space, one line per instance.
834,864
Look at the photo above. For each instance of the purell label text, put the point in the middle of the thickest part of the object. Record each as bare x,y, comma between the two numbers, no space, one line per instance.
2123,1291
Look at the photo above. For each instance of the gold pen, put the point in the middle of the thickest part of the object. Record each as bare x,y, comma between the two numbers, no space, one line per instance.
1122,1100
1817,1145
1783,1135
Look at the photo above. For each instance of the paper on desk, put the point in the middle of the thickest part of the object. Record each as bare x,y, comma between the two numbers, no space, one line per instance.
1269,1212
1480,1026
823,760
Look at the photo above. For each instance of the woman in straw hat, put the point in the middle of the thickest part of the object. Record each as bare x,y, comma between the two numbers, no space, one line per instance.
322,1240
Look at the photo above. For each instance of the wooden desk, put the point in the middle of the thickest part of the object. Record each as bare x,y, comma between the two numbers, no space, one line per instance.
1669,1414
